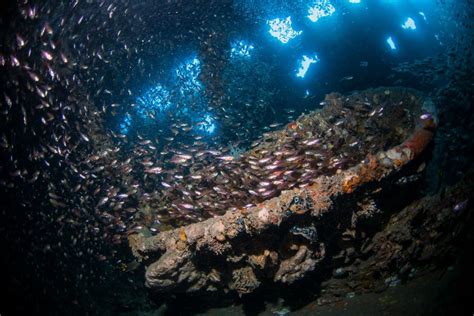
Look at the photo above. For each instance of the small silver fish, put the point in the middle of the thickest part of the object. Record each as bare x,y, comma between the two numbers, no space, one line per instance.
46,55
426,116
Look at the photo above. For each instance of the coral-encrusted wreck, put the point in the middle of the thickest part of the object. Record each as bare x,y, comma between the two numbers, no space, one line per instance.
286,238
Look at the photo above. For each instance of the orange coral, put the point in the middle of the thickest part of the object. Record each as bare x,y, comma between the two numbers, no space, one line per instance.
292,125
350,183
182,234
398,163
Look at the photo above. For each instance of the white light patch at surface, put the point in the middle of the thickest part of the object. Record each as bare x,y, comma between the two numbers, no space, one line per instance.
125,124
391,43
187,75
304,65
321,9
155,100
423,15
282,29
409,24
241,49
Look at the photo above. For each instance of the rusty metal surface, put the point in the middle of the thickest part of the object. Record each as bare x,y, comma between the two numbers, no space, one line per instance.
280,240
423,236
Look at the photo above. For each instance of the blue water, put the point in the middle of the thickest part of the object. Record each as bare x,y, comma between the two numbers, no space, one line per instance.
355,46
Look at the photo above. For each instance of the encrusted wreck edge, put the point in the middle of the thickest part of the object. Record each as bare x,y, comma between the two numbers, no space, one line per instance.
275,241
426,235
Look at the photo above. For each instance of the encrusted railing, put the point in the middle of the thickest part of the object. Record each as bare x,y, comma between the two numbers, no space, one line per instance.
283,239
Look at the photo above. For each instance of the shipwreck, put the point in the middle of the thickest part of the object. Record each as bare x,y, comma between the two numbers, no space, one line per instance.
362,225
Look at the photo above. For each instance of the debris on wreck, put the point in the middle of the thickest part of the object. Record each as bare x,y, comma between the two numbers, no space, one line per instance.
376,137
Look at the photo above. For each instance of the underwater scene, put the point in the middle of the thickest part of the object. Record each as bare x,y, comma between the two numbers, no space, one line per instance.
236,157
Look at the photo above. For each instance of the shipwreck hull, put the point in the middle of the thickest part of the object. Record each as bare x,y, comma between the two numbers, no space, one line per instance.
329,222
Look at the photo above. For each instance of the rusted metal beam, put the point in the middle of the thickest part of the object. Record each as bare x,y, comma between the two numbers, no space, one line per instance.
278,240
